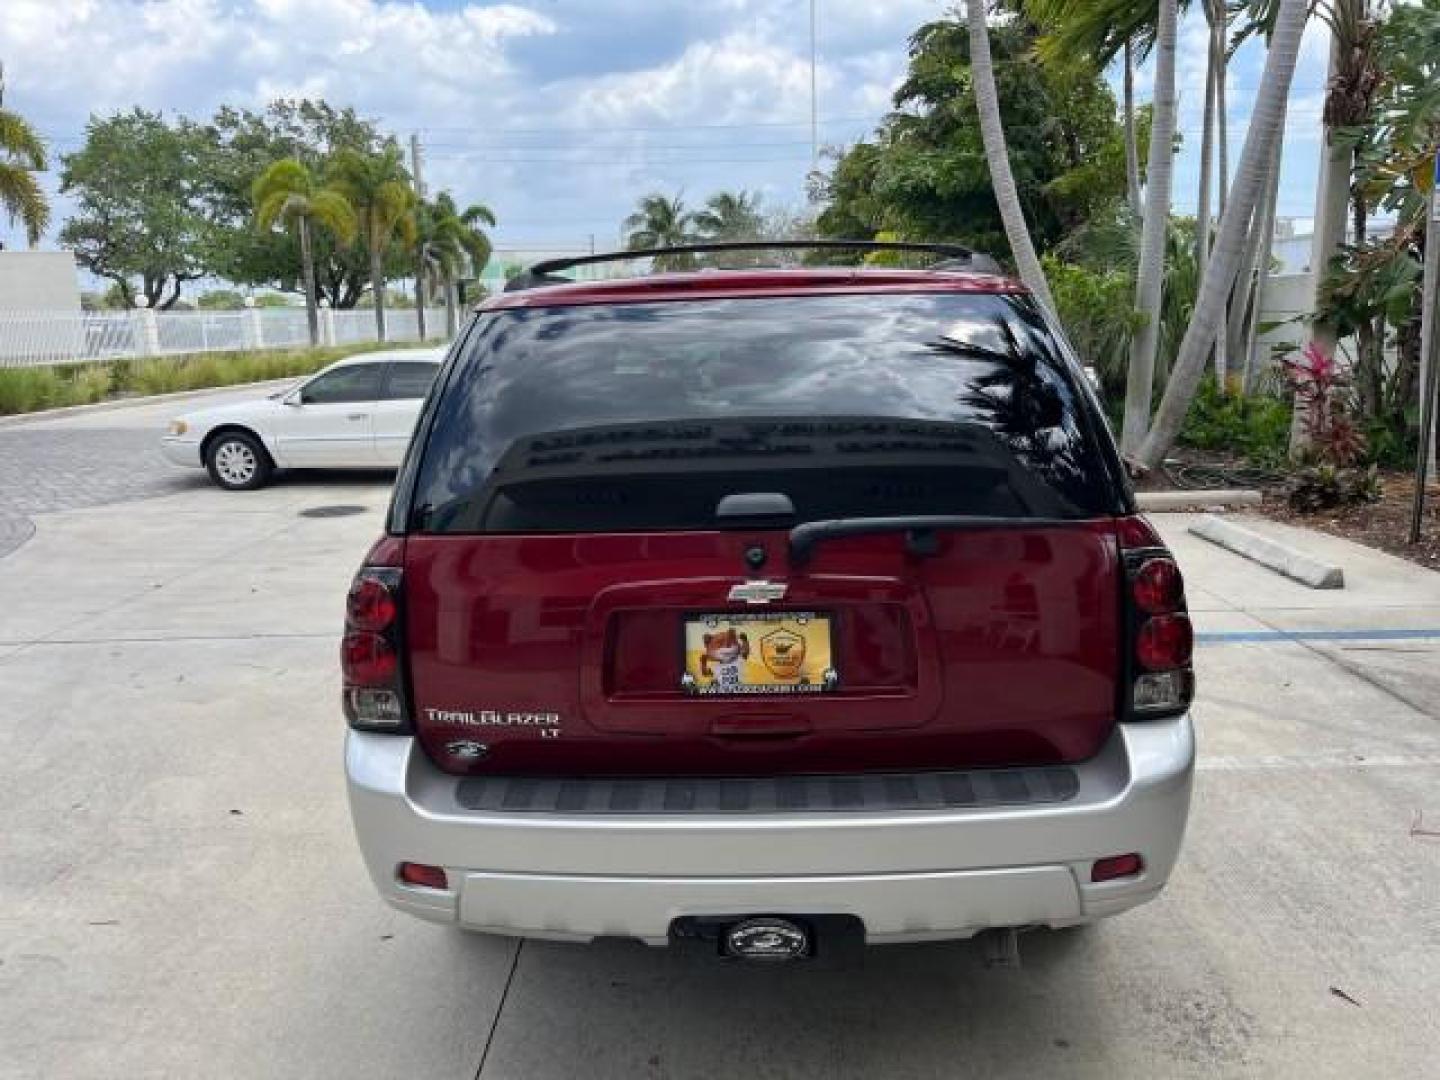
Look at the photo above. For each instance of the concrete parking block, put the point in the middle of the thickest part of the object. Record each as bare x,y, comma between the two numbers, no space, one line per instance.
1282,558
1373,579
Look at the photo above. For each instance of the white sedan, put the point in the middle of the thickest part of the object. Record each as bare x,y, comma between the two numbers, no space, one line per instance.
358,413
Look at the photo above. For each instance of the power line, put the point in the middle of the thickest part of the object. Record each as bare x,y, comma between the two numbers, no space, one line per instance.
570,162
727,145
822,121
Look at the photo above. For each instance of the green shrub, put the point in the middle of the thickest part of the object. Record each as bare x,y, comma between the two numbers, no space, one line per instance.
1097,310
89,385
122,375
1255,427
27,389
33,388
1325,487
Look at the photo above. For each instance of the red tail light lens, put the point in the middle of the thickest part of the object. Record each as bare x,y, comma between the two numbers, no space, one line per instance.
1161,641
373,692
1165,642
1136,533
1158,587
367,660
370,605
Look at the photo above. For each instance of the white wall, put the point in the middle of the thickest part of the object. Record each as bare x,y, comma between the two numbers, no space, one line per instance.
38,281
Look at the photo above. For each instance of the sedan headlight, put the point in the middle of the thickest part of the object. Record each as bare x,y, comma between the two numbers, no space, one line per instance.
178,427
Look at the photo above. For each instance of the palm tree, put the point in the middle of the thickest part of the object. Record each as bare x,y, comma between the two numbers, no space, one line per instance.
22,155
287,192
661,222
1096,32
1216,15
1132,152
378,186
997,157
1150,275
447,236
1350,89
1266,119
731,215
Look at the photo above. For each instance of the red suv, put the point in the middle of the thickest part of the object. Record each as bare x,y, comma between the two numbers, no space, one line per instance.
739,603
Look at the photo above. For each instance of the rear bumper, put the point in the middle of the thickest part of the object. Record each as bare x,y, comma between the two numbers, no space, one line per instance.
908,876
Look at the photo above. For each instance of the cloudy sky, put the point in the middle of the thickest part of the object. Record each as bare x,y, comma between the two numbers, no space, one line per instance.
557,113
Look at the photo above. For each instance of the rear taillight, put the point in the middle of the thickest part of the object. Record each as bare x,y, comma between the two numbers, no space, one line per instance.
374,694
1159,639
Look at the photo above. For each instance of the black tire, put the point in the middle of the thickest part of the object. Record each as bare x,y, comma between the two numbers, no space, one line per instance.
237,461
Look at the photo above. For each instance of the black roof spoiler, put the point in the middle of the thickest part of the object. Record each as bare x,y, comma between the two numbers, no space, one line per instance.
953,256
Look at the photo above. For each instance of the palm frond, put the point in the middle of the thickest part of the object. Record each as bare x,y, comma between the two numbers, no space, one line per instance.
1093,30
279,206
478,213
332,210
19,140
286,175
24,201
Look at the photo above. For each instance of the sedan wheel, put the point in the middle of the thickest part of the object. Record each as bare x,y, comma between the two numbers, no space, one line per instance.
237,462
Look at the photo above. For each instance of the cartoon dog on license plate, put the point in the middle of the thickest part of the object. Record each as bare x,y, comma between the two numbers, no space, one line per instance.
723,655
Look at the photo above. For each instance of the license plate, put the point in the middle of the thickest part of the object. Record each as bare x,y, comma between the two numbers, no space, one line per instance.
775,653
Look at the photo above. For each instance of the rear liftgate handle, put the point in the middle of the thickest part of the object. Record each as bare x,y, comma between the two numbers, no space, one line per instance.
760,726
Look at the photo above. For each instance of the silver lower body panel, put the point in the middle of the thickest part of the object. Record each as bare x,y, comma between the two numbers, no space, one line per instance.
906,875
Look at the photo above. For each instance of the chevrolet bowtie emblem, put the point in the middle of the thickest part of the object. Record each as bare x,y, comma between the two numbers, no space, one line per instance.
758,592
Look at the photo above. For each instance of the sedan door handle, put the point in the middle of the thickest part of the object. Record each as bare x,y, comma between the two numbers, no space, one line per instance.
356,416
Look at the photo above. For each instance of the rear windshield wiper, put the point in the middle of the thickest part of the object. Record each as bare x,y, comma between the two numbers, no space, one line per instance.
919,530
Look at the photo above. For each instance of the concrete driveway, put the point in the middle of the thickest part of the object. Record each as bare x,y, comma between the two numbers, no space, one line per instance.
180,894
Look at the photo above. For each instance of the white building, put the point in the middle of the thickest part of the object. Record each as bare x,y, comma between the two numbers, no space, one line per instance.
38,281
34,287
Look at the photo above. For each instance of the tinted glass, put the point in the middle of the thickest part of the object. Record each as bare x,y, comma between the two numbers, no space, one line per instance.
358,382
410,380
643,416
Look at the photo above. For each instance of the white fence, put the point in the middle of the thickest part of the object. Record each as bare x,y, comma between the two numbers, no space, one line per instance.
37,338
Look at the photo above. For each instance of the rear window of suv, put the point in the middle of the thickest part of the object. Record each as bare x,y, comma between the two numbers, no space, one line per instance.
643,416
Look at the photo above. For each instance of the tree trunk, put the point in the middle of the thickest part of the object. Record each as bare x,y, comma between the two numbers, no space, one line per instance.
1429,366
307,269
1332,201
1267,118
998,158
1132,152
1149,277
1207,167
1367,369
1249,294
450,321
1217,35
377,291
420,297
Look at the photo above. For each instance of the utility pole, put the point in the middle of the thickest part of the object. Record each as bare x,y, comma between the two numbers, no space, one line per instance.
420,258
415,163
814,99
1429,352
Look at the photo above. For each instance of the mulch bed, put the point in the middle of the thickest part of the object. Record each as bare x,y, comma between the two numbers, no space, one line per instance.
1384,524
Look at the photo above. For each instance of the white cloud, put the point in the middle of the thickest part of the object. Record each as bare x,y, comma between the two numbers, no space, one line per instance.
531,106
